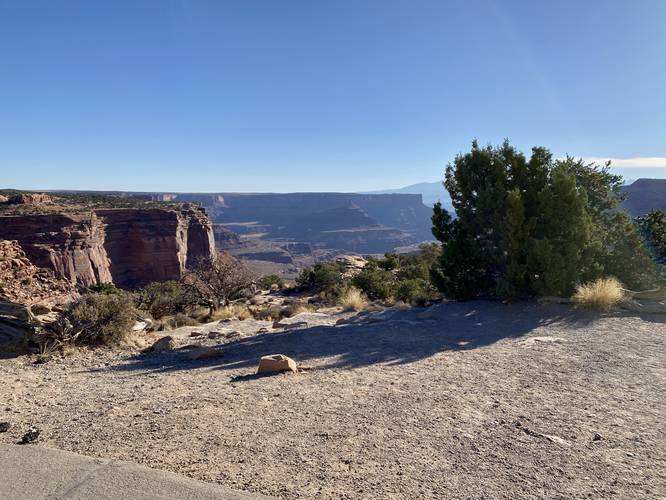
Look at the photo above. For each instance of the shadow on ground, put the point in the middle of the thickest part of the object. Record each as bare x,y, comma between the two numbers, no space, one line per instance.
401,339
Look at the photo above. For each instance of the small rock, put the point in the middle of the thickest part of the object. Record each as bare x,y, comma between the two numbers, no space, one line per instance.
141,325
205,353
276,363
215,335
31,436
196,334
597,437
629,454
5,426
263,329
232,335
163,345
556,440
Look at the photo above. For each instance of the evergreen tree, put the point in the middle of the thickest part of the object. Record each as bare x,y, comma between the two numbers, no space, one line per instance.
516,243
624,253
534,227
563,232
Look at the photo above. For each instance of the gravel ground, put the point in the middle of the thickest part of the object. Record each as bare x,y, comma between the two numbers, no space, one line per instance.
479,400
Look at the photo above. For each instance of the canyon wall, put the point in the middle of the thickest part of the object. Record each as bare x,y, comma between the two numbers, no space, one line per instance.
129,247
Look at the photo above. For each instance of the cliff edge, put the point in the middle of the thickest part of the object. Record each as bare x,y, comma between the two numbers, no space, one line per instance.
126,246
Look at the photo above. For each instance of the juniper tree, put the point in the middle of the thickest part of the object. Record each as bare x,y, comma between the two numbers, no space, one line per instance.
532,227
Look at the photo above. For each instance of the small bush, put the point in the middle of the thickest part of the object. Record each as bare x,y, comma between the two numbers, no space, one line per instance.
162,298
413,291
269,313
95,319
181,319
237,311
600,295
376,283
323,277
352,299
271,281
294,309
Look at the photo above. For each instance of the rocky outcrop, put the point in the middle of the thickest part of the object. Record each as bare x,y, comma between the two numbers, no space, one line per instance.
30,199
353,264
129,247
17,325
23,282
27,294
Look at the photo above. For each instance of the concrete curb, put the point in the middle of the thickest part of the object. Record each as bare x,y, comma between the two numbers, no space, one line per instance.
33,472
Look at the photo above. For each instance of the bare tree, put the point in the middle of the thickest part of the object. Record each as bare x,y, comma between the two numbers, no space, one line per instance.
215,282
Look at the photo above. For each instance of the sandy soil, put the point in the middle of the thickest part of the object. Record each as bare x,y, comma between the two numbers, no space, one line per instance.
481,400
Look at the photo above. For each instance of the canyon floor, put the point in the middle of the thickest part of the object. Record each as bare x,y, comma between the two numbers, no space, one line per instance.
479,399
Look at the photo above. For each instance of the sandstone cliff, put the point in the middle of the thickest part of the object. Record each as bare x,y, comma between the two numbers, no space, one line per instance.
129,247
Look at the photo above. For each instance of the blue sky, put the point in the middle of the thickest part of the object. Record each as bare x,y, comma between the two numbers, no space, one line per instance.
319,96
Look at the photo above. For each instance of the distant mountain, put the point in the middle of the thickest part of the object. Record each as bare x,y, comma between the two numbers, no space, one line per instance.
432,192
644,195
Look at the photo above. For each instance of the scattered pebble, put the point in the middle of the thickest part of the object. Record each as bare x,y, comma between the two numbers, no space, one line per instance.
31,436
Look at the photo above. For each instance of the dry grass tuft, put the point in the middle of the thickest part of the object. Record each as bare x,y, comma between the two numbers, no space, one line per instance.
600,295
294,309
352,299
238,311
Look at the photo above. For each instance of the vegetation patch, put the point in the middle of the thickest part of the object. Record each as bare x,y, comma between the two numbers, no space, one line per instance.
352,299
602,294
94,319
536,226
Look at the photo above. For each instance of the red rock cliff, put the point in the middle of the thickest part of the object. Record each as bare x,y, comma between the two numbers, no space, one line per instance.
129,247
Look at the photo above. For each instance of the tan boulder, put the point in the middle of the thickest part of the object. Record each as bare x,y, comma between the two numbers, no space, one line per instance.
164,344
276,363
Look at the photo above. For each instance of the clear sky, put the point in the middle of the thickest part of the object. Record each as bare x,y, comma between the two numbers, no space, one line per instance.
250,95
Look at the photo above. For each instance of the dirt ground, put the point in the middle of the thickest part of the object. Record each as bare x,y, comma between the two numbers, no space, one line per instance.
481,400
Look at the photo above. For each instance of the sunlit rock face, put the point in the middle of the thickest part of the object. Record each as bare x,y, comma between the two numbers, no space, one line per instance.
128,247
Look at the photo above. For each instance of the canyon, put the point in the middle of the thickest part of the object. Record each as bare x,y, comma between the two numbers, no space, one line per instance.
128,247
283,232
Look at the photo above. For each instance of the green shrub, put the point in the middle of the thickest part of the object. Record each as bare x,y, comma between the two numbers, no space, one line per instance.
375,282
653,229
162,298
95,319
323,277
267,282
413,291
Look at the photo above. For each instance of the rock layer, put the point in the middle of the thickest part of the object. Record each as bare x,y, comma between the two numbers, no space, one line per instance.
128,247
